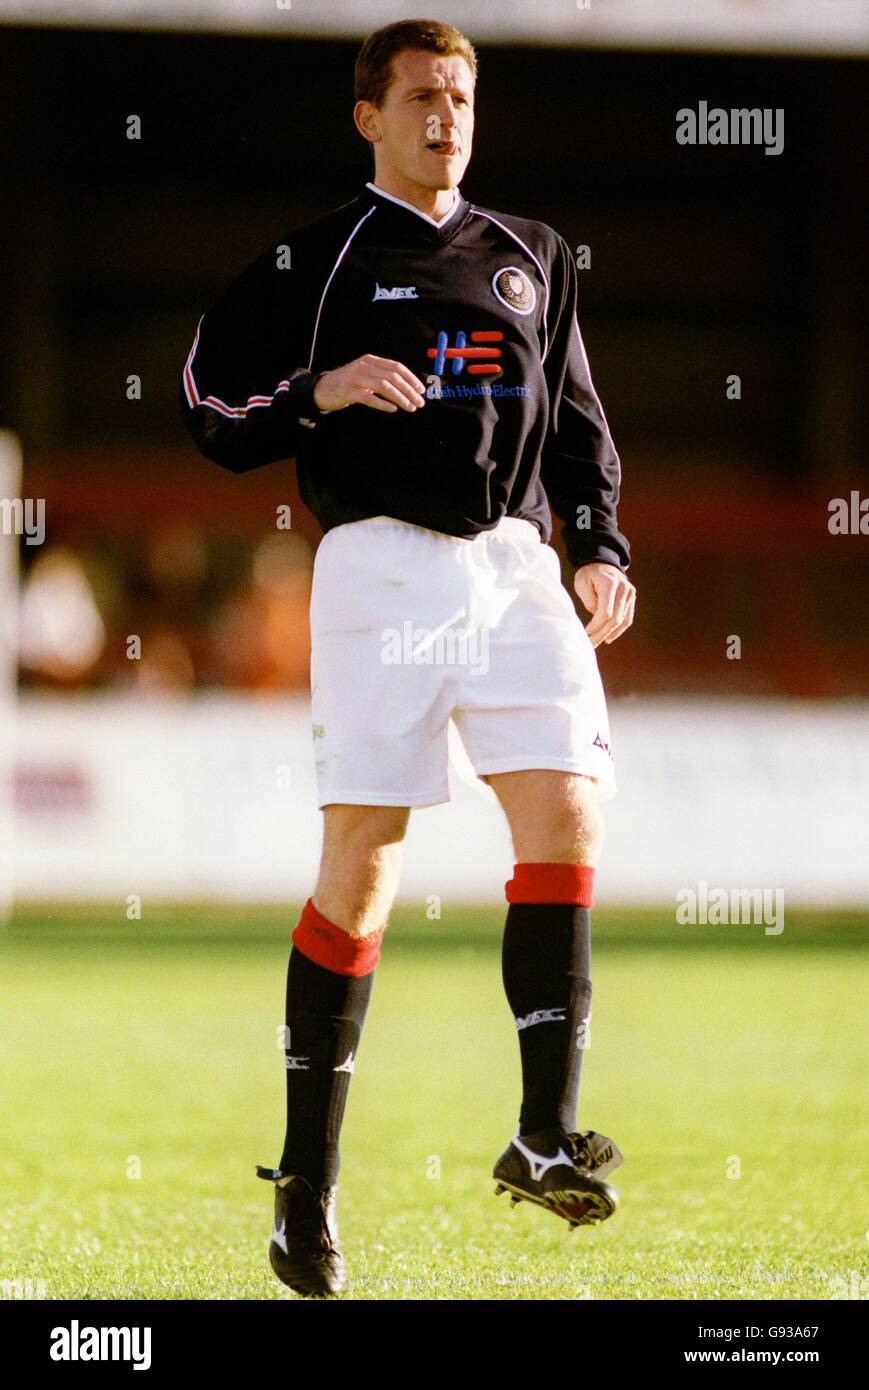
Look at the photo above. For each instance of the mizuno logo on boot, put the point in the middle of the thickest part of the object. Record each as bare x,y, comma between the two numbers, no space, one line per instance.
539,1163
279,1236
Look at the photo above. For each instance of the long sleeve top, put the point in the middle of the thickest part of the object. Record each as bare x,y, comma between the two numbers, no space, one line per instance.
482,307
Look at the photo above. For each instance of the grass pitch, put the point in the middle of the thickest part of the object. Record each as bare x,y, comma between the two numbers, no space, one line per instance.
143,1080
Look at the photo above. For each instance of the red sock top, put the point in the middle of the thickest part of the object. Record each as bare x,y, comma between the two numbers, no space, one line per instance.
332,947
551,883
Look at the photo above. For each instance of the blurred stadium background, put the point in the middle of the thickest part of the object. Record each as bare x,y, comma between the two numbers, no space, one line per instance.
188,772
158,822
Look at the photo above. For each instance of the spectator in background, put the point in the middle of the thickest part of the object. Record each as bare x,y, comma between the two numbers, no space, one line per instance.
260,636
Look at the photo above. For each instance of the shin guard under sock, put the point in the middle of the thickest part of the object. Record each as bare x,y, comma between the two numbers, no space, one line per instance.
546,964
329,982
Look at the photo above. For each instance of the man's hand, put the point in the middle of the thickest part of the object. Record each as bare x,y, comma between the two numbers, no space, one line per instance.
610,598
369,380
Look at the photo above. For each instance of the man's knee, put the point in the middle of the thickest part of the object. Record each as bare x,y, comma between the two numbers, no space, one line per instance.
575,836
589,821
366,831
562,823
360,864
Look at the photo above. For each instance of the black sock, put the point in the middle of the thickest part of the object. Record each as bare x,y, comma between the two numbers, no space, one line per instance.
546,965
325,1012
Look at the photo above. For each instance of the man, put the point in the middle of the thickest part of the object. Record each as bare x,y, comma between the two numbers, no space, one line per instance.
420,358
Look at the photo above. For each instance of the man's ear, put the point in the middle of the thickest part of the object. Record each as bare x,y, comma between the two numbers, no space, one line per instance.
363,118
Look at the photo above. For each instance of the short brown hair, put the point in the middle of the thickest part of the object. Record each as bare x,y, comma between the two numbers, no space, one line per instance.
373,72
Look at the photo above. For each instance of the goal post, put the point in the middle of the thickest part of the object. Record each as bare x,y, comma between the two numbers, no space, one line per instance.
11,506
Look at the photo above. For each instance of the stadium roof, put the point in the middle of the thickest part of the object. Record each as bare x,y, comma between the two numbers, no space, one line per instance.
772,26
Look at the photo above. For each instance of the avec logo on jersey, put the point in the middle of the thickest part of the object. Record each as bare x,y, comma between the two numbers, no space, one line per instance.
510,285
397,292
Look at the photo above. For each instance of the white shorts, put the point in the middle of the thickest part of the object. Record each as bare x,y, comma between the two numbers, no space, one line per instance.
411,627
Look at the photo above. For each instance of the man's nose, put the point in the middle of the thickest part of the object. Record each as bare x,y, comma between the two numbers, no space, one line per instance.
447,113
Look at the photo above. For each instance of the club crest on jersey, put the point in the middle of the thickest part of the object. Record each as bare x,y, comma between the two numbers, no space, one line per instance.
397,292
512,286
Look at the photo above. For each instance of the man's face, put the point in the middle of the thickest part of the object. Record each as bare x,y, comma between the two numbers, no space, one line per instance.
426,123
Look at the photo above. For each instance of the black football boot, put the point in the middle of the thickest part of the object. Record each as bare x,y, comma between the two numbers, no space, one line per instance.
563,1172
304,1251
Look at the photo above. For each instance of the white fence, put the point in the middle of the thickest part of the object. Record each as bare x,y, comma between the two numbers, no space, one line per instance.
215,798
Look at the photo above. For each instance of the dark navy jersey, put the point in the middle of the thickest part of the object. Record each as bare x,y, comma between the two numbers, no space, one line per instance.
481,306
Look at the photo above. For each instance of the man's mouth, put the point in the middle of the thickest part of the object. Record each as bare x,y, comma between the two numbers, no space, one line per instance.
443,147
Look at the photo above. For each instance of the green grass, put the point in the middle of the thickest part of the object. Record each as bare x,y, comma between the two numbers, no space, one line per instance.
157,1039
